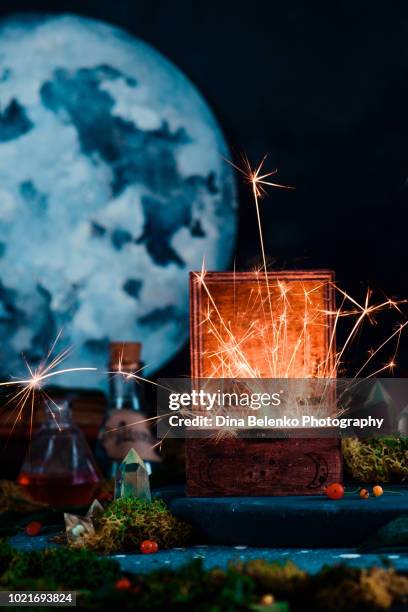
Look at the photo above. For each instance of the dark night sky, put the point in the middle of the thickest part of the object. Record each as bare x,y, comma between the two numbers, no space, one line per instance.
323,88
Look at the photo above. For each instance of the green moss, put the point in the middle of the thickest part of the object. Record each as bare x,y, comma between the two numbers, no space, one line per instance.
341,589
61,567
7,553
128,521
192,587
377,460
278,578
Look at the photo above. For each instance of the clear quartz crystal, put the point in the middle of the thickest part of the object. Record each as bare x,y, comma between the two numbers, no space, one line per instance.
76,527
132,479
95,509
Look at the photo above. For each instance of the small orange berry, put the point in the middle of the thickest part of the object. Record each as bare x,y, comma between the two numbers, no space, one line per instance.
33,528
123,584
364,494
149,546
334,491
378,491
267,600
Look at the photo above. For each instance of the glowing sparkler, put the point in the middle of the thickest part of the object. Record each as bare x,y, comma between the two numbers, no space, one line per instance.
29,388
268,318
258,182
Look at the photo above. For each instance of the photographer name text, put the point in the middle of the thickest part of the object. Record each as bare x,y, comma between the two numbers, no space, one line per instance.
253,421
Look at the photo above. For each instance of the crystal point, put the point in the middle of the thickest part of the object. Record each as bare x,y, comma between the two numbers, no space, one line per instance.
132,479
95,509
77,527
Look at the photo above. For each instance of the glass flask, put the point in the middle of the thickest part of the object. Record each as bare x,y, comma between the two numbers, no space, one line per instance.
59,468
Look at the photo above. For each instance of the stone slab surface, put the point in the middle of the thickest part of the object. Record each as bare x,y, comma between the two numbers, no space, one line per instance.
288,522
311,560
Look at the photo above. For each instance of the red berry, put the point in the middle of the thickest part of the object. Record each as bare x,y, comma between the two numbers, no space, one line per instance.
149,546
33,528
335,491
105,496
123,584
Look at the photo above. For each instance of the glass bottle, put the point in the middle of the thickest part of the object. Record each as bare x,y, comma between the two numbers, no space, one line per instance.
59,468
126,425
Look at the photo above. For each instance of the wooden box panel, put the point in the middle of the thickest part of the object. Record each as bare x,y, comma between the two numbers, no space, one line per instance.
237,467
280,326
244,325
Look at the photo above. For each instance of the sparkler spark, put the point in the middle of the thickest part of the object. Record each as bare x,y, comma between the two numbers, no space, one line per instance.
271,332
283,335
30,389
267,320
270,317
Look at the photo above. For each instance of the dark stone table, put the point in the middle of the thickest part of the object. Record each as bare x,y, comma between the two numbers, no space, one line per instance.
311,531
287,522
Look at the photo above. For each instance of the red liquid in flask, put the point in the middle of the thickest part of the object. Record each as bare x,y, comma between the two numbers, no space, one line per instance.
58,491
59,468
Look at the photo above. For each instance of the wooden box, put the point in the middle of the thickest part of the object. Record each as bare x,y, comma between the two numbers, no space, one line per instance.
247,325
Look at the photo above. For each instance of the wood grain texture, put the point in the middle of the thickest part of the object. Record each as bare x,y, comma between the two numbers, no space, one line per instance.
241,299
237,467
250,467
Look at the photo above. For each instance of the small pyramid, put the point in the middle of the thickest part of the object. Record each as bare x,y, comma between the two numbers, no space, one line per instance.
134,457
378,395
95,509
132,479
403,422
76,527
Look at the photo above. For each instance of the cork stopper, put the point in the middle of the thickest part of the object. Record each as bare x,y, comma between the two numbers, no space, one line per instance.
124,355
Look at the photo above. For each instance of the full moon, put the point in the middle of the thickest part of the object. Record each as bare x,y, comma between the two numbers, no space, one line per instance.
113,186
